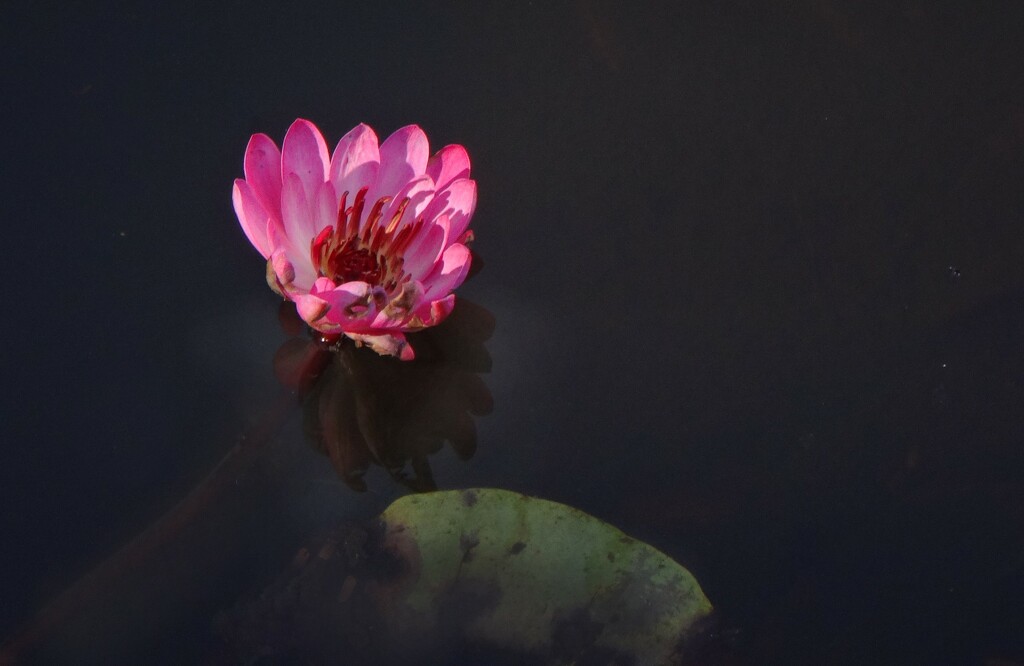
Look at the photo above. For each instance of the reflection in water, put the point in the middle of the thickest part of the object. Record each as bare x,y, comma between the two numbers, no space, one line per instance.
360,408
194,560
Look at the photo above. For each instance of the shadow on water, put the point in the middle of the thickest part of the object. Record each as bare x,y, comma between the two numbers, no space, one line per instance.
157,595
360,408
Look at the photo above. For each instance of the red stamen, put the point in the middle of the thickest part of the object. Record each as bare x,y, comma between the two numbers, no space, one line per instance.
357,213
316,248
365,249
342,213
396,218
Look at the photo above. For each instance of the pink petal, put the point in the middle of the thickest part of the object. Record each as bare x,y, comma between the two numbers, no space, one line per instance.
329,308
326,211
296,214
251,216
458,201
355,162
298,256
449,273
462,195
425,250
276,235
263,171
449,163
403,156
345,293
304,154
352,305
322,285
419,192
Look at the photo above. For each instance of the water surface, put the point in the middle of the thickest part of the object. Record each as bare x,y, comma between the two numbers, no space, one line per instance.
756,277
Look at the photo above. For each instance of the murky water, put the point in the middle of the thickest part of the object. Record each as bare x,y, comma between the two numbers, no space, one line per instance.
752,293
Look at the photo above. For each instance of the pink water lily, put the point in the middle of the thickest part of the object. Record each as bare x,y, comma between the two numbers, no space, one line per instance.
368,242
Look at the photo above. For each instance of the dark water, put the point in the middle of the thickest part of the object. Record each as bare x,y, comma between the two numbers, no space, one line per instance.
756,271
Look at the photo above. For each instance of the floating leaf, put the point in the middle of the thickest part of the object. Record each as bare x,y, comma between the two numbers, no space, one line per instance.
534,576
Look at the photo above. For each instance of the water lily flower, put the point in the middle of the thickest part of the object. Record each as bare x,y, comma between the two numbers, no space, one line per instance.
369,242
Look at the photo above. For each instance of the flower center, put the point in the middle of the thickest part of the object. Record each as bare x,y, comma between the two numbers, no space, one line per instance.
354,263
370,252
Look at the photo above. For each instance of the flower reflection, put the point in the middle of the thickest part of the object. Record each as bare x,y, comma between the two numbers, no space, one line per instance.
360,408
369,242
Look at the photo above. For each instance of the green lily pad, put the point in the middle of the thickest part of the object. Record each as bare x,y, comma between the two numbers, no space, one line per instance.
535,576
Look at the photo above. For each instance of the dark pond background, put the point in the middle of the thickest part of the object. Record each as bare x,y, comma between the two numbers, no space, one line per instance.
757,271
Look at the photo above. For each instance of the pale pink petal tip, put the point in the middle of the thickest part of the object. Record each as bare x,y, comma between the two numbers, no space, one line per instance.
450,163
263,170
408,145
450,272
304,153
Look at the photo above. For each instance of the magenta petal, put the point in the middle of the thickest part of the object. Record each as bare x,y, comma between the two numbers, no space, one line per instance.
324,307
252,217
462,199
449,273
321,285
419,191
403,156
263,170
426,249
449,163
346,293
304,154
462,203
296,212
276,235
352,305
458,201
299,257
355,161
326,209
